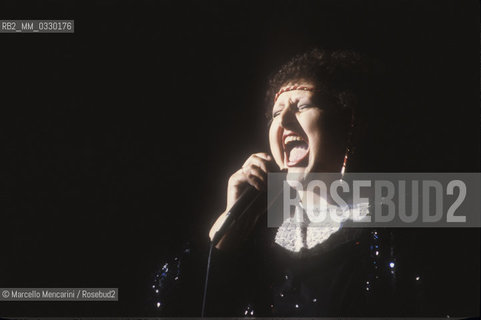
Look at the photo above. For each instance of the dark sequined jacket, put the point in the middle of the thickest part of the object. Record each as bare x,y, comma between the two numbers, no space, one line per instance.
356,272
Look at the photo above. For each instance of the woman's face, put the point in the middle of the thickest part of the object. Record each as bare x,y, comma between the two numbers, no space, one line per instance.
304,135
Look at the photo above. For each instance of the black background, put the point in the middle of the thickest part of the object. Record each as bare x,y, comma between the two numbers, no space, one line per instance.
117,141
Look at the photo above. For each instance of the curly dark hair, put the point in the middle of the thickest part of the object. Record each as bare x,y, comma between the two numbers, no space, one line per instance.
340,76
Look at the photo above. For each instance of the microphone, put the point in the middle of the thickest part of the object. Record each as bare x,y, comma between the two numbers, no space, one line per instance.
242,205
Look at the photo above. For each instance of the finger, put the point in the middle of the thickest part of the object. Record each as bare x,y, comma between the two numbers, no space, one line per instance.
263,155
266,165
258,162
238,177
255,182
255,172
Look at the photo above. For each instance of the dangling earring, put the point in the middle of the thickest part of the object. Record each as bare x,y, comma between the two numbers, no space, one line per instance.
347,100
348,148
344,163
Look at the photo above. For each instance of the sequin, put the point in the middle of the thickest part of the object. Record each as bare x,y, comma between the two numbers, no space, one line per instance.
249,310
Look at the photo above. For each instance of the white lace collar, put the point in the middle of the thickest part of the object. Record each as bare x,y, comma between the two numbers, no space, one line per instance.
299,232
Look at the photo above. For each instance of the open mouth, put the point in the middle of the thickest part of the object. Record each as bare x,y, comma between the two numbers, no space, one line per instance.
296,150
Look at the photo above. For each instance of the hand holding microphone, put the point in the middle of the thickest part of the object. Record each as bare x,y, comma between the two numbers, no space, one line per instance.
245,186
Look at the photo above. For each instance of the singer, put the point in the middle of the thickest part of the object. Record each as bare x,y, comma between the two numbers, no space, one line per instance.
312,117
315,108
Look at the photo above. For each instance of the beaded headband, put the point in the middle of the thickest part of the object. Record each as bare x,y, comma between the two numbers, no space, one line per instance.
290,89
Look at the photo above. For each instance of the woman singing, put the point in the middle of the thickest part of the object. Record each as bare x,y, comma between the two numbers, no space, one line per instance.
315,102
312,118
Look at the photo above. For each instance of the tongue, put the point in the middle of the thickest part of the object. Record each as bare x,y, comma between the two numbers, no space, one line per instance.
298,152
